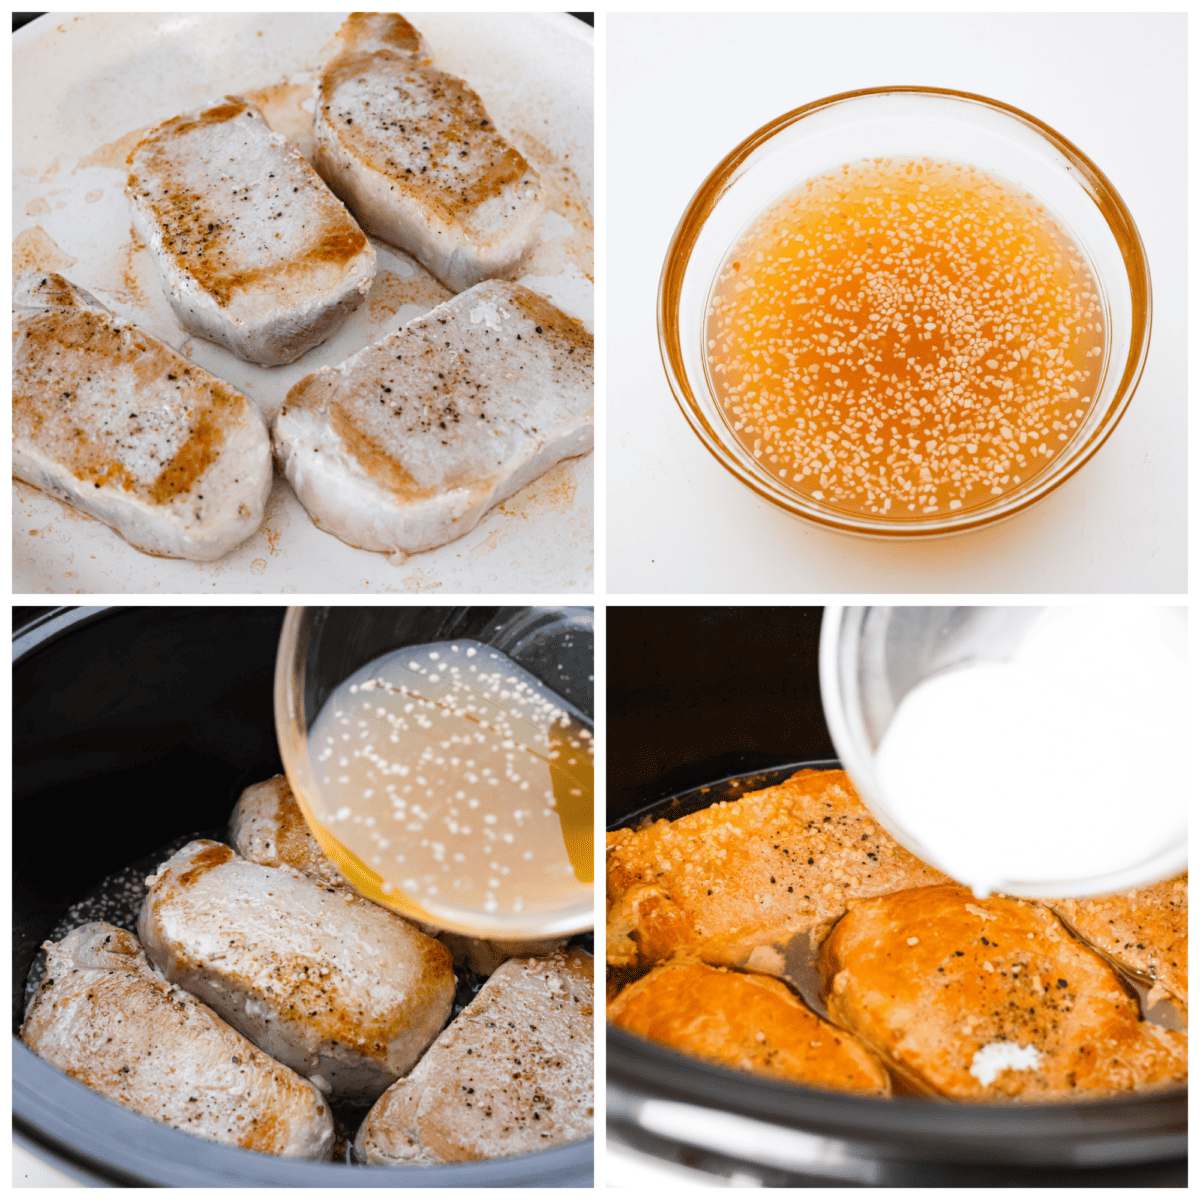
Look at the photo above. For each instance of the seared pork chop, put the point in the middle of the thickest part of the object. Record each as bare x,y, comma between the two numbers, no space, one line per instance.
747,1022
104,1017
989,1000
114,422
344,992
750,874
417,158
1144,930
511,1075
407,444
256,254
268,827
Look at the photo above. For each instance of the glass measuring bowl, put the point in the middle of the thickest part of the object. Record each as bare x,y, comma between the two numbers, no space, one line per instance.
871,658
320,648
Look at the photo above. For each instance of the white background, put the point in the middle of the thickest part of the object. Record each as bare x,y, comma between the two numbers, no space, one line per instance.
684,90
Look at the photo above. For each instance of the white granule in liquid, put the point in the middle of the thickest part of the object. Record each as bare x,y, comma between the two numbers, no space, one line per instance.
435,767
990,1060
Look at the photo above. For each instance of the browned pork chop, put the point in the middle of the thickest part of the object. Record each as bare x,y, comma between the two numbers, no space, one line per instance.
104,1017
417,158
407,444
1144,930
989,1000
255,253
749,875
512,1074
346,993
114,422
747,1022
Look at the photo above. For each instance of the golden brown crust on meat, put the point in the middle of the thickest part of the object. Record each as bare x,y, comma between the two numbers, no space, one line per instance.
451,157
389,29
747,1022
512,1074
80,425
196,229
1145,930
753,872
929,976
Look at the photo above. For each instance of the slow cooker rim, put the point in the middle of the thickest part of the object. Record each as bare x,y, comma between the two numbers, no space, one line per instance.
657,1072
102,1137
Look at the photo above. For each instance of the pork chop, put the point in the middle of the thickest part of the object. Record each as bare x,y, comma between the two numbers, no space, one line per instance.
1144,930
405,445
105,1018
344,992
989,1000
734,883
268,828
746,1022
512,1074
255,253
417,158
115,423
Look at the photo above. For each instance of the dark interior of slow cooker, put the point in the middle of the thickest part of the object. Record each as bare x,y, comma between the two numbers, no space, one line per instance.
130,730
701,695
117,753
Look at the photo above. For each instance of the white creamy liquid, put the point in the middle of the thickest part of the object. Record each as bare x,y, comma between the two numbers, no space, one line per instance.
1067,762
434,762
990,1060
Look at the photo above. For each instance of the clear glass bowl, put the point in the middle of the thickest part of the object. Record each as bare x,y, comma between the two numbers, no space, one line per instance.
872,657
321,647
909,122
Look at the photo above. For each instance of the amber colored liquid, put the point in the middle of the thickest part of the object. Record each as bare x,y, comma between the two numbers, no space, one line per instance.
905,337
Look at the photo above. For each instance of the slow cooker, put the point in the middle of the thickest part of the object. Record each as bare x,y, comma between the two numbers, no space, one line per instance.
708,703
134,727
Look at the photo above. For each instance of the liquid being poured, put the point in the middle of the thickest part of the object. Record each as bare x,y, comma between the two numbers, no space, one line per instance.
1065,763
462,781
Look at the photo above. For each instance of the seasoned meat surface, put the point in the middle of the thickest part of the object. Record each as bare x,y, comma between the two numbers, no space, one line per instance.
406,445
747,1022
268,828
513,1074
114,422
343,991
418,159
103,1016
255,252
750,874
1144,930
989,1000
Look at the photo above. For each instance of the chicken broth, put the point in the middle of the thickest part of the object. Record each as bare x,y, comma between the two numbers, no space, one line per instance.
461,780
902,338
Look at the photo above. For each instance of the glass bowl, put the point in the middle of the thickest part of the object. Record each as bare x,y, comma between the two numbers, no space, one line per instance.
319,648
872,657
907,122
